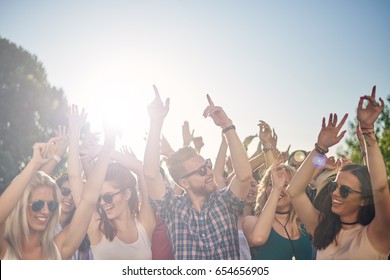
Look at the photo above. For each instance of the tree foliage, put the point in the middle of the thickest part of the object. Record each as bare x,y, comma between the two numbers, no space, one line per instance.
30,108
382,130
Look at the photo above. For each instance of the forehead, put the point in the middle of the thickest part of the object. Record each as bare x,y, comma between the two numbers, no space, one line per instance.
348,179
43,193
194,162
109,186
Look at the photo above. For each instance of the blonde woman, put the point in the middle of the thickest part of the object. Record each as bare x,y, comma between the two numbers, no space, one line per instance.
275,232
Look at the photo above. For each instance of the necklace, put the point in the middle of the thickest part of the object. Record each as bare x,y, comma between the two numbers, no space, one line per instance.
283,213
349,224
288,235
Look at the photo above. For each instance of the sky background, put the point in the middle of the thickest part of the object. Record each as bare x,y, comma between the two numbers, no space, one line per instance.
286,62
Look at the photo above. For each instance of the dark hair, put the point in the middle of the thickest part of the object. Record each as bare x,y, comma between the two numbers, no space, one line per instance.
125,180
330,224
85,244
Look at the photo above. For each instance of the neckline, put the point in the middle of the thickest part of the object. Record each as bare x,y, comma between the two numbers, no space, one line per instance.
349,224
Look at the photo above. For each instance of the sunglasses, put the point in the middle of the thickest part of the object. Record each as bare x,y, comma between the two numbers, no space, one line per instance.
38,205
65,191
344,190
108,197
202,171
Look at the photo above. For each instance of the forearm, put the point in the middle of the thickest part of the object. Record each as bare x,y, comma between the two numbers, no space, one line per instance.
219,167
14,191
302,178
375,164
262,228
151,169
240,161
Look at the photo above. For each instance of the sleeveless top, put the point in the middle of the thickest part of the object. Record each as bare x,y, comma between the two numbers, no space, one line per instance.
245,253
161,245
119,250
9,256
352,244
278,247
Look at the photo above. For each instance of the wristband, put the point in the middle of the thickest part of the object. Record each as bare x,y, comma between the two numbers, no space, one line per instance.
57,158
268,149
226,129
320,150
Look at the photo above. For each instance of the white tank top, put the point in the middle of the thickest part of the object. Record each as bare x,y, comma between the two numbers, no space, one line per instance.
119,250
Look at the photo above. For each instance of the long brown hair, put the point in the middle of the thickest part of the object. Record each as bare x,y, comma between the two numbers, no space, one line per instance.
125,180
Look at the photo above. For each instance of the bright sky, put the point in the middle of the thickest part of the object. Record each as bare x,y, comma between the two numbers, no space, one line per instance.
286,62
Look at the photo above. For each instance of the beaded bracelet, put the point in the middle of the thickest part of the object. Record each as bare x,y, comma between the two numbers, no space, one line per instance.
268,149
226,129
57,158
320,150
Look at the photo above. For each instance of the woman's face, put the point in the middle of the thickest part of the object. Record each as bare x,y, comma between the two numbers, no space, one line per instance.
252,191
67,204
38,219
350,205
284,201
113,200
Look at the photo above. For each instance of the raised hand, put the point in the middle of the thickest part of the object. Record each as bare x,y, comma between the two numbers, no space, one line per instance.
217,114
76,120
265,134
42,153
368,115
330,132
187,135
157,110
278,177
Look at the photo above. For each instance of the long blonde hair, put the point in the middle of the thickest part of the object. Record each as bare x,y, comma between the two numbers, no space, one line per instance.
262,197
16,225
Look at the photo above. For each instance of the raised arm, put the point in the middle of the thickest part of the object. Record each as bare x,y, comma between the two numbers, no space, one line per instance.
76,122
257,229
60,144
328,136
243,173
42,153
146,214
154,181
379,229
219,166
71,236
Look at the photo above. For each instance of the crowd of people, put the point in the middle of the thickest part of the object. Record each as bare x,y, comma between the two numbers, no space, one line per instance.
175,204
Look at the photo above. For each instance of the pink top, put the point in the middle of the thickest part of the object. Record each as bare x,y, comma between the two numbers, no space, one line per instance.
352,244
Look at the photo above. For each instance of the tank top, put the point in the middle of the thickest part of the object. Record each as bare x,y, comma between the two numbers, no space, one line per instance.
119,250
352,244
278,247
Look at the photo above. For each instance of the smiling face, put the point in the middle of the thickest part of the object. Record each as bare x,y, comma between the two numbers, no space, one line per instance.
252,192
347,208
37,221
119,203
67,203
196,183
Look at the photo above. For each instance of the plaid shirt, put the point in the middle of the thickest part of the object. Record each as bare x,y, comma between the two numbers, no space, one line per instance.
211,234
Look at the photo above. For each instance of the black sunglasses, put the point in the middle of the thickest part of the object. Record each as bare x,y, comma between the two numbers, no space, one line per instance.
344,190
202,171
65,191
107,198
38,205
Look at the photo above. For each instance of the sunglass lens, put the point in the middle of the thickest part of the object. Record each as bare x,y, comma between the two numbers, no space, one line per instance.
37,205
52,205
65,191
203,171
344,191
107,198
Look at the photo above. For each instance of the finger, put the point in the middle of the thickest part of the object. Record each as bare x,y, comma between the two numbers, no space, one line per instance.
373,92
342,121
167,102
360,104
323,122
156,93
211,103
330,119
341,136
334,120
288,149
382,103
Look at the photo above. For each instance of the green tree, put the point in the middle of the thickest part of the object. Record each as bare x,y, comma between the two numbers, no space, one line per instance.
382,130
30,108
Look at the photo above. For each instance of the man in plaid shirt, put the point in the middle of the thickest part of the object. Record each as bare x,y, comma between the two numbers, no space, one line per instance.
201,223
